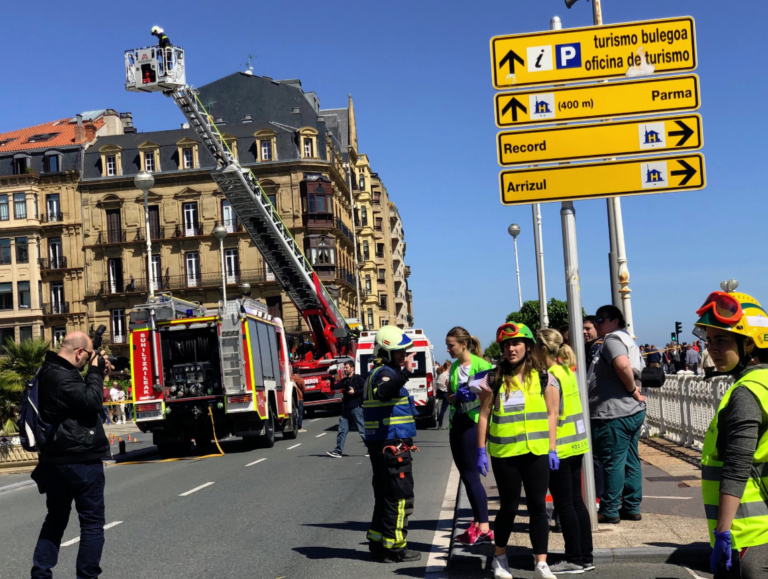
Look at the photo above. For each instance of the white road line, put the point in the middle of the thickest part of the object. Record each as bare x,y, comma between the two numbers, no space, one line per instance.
77,540
321,434
256,462
441,543
194,490
292,447
313,420
675,498
693,573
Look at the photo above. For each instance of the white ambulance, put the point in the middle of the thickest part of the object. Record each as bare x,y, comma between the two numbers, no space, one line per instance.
421,385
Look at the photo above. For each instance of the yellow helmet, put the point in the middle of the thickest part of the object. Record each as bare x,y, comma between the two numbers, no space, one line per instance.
391,338
737,313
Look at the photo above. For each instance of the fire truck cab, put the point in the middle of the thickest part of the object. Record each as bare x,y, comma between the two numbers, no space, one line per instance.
193,369
421,384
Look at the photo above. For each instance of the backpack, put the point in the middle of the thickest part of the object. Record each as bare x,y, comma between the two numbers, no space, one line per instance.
34,432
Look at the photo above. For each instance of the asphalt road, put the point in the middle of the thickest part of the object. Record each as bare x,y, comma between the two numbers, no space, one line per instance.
286,512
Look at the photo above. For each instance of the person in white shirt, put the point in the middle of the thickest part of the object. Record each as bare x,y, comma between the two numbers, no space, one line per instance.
117,395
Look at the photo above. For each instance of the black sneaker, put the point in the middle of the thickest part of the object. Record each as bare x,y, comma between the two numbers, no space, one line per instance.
601,518
334,454
624,516
402,556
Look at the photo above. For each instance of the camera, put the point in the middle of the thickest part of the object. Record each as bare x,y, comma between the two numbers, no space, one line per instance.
119,363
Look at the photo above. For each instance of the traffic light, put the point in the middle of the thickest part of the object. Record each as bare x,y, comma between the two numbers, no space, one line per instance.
570,3
678,328
674,337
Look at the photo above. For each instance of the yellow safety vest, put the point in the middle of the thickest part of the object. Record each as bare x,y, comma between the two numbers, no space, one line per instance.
750,525
471,409
572,437
519,423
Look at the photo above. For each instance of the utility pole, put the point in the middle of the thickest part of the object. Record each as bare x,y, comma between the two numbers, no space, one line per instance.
543,314
348,167
514,231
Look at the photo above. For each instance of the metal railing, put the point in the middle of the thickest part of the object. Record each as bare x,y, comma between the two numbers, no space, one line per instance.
51,218
158,232
345,231
682,409
176,282
53,263
55,309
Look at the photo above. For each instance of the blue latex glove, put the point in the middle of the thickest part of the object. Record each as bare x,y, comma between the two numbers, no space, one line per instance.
554,460
464,394
482,461
721,551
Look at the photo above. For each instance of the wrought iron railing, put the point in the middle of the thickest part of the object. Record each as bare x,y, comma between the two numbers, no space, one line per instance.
55,309
176,282
53,263
51,218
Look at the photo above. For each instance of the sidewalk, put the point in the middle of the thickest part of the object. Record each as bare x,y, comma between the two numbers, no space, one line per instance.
673,528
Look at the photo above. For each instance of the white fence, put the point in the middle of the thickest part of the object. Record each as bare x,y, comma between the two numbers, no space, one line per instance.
682,409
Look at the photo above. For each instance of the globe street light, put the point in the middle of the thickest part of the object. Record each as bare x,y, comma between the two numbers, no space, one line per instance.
514,231
145,181
220,232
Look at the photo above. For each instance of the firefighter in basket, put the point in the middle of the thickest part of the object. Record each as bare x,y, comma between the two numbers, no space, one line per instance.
162,39
389,412
735,455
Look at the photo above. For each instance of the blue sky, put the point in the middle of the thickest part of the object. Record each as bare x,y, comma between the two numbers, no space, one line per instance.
419,73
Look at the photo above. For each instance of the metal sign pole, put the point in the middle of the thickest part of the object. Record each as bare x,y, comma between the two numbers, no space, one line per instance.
543,314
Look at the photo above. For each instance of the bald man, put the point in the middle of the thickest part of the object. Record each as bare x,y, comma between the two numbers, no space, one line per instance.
71,467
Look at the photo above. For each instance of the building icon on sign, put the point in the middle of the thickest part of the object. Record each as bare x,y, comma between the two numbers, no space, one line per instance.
542,107
652,137
653,176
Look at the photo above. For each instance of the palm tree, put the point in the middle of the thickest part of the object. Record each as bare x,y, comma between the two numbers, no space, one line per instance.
11,387
16,369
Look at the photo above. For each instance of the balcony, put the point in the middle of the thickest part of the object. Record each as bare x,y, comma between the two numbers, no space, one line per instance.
53,263
55,309
114,339
161,232
49,218
345,231
176,282
343,274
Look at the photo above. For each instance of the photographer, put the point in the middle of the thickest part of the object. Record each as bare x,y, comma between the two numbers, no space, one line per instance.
70,466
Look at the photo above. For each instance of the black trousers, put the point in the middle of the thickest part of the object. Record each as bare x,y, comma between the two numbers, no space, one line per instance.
565,486
392,495
512,473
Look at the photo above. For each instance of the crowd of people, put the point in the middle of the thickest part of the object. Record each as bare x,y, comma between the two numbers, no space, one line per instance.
674,358
117,404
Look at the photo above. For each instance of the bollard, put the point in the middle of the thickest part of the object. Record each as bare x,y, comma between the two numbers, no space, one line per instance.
122,447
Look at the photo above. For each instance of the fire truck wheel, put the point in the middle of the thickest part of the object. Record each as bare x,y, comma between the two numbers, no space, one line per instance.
268,438
294,432
250,442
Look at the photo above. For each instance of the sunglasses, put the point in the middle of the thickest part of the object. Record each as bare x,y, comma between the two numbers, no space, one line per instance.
723,306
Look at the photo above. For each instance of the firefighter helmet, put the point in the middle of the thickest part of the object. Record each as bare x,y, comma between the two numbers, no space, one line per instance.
156,30
511,330
390,339
737,313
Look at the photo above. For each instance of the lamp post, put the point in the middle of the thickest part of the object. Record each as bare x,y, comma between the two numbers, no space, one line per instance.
514,231
145,181
220,232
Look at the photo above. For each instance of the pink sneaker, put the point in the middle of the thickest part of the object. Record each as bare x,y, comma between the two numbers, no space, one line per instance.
469,536
481,538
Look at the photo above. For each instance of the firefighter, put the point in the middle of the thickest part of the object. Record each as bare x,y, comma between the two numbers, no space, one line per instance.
162,39
389,413
735,455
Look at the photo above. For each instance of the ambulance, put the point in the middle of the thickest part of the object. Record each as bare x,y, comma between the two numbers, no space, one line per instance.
421,385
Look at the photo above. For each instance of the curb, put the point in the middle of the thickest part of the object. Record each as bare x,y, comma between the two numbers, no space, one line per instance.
480,557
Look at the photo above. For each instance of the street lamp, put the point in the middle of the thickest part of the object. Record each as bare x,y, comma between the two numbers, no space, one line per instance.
514,231
145,181
220,232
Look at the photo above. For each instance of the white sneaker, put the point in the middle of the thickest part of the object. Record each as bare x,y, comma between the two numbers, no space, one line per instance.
541,571
500,568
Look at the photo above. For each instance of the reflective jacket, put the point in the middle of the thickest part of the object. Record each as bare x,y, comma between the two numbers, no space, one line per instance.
387,419
571,433
519,422
471,409
750,525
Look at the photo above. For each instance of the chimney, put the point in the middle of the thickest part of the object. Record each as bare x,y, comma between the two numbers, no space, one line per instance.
220,121
247,119
127,120
90,132
79,130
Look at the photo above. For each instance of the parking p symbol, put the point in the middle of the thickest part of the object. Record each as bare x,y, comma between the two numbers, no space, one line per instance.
568,55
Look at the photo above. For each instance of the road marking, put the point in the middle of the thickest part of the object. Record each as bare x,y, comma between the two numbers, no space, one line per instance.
693,573
441,543
321,434
256,462
194,490
16,486
292,447
675,498
313,420
77,539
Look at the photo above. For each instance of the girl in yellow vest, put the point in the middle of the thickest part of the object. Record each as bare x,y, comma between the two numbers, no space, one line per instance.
518,420
552,354
734,459
463,428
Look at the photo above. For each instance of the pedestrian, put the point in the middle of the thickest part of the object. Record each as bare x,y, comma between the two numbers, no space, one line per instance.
565,332
707,364
352,388
70,466
118,397
465,411
692,360
734,474
129,402
519,437
112,398
441,384
298,381
654,357
590,336
617,408
557,358
390,427
675,355
106,419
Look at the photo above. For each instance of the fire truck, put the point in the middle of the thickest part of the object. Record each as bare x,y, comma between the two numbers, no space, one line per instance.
189,364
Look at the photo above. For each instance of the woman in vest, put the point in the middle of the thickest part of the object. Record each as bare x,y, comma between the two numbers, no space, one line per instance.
735,455
463,429
551,354
518,413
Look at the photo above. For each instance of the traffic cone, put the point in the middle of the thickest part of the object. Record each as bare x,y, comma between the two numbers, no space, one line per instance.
129,438
119,440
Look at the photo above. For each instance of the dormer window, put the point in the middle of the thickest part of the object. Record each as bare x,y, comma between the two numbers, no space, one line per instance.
22,163
52,162
187,151
308,149
308,142
149,161
266,150
188,157
150,157
111,164
6,141
266,145
42,137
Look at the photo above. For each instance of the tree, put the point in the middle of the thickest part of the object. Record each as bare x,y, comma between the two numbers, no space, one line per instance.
492,351
16,369
557,311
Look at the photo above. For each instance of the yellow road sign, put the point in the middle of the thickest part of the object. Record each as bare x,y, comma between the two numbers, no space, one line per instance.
598,101
584,181
617,139
576,54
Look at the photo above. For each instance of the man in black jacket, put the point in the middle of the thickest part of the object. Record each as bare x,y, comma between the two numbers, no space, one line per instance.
71,466
353,388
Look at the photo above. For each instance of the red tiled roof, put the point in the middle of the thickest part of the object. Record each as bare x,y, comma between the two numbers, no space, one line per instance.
65,137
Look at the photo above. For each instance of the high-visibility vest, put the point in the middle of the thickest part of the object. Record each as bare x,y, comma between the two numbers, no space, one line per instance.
517,429
471,409
571,433
750,525
387,419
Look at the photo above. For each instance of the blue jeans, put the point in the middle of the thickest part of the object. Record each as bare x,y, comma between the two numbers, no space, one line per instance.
348,414
105,415
442,396
63,483
301,413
